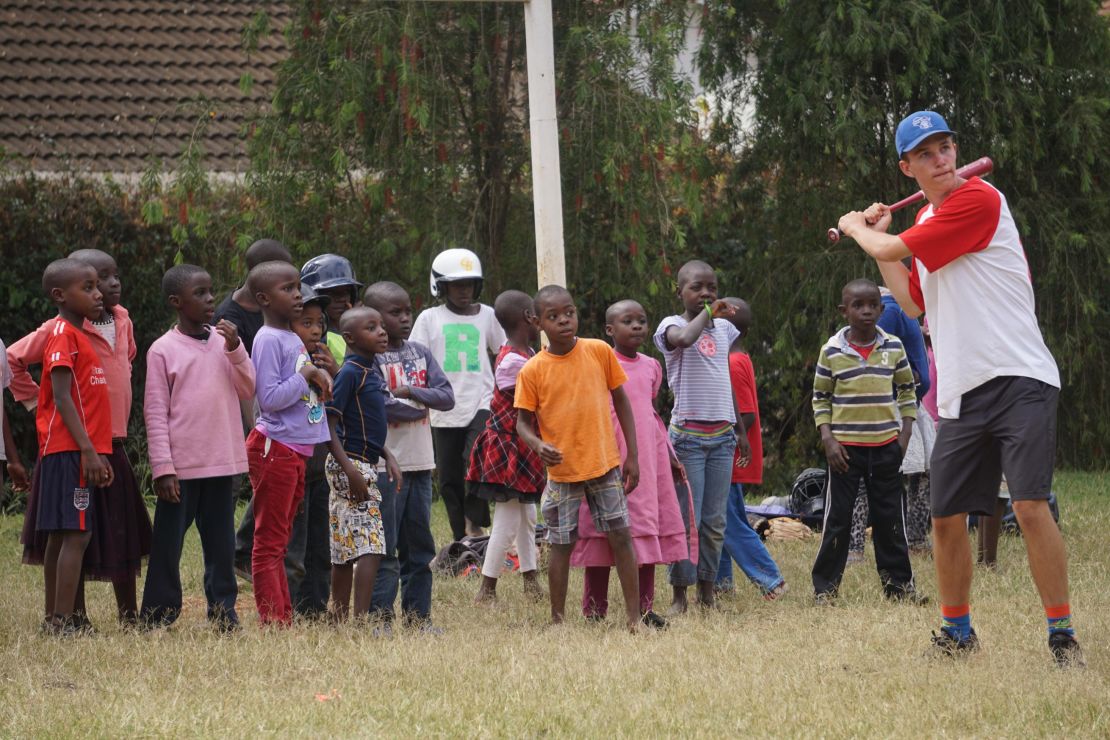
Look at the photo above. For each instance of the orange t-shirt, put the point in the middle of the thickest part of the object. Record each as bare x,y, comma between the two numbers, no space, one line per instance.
570,396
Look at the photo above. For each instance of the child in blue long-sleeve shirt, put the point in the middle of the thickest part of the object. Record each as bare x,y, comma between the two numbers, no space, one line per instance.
416,383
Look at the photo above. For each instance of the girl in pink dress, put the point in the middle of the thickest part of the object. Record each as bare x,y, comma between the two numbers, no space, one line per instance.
658,533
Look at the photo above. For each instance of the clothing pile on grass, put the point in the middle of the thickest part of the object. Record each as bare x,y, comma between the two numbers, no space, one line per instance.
464,557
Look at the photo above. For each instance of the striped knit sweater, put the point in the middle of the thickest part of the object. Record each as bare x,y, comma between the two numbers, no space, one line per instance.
861,399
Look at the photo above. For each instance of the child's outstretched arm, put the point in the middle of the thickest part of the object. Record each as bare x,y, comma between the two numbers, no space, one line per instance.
97,469
630,471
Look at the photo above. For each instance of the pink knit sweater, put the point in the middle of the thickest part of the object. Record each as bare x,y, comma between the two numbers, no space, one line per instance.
193,424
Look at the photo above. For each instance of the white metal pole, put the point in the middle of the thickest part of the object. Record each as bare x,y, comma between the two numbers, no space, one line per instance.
547,197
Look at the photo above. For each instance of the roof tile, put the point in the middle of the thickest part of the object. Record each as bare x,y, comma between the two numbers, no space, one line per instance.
102,86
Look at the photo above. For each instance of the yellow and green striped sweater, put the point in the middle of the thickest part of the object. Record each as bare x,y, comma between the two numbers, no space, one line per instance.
861,399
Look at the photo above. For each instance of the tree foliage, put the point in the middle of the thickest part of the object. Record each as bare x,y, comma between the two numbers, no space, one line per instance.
1025,83
401,128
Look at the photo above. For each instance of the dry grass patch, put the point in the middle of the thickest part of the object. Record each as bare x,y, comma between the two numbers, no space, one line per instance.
786,669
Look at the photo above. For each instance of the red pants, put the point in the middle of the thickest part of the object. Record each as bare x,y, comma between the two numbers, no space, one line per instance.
595,595
277,477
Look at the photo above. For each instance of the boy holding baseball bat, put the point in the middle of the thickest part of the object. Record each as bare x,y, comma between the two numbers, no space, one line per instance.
998,384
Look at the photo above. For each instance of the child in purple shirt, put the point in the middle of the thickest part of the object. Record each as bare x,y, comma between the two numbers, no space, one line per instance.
290,392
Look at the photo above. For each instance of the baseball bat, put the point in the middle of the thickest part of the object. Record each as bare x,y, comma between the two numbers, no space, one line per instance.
981,166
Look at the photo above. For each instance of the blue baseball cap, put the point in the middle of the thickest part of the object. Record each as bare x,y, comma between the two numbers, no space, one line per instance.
916,127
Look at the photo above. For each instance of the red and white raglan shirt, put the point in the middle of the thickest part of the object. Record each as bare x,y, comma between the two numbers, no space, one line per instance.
67,346
971,277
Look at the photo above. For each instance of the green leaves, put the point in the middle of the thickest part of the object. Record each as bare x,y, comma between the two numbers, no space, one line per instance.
1028,84
153,212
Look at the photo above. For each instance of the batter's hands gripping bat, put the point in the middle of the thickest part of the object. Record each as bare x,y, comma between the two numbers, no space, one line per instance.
981,166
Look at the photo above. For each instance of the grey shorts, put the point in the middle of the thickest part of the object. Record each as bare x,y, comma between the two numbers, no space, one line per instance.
604,495
1007,425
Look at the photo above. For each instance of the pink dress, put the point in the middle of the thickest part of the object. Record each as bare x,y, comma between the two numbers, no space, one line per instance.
658,535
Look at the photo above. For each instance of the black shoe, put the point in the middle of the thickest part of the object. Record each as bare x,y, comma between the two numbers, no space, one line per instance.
226,625
82,623
947,645
1065,651
825,598
68,626
907,595
653,620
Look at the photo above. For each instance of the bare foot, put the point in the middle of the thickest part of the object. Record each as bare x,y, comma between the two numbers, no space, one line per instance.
532,587
706,598
487,592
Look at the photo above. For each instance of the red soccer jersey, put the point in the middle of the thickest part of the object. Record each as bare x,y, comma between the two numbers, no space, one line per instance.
742,375
68,347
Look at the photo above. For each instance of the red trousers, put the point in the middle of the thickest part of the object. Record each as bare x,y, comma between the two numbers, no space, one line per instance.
277,478
595,595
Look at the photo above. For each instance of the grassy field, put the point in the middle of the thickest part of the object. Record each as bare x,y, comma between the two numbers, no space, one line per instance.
753,668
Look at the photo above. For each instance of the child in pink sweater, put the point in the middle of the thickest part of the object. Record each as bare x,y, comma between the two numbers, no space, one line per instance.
196,376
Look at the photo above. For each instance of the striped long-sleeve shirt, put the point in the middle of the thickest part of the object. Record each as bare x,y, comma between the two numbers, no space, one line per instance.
860,399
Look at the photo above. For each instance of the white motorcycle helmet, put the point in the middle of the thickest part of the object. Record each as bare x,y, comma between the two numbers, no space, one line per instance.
452,265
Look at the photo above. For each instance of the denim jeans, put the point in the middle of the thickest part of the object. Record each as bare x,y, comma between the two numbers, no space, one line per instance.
743,545
308,561
409,547
708,463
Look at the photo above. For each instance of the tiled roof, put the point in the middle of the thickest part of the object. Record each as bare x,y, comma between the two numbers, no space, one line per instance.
98,85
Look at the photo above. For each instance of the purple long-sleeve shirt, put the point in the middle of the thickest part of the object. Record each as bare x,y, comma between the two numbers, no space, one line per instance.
291,411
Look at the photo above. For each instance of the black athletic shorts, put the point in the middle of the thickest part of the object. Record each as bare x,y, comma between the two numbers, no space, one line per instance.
1007,425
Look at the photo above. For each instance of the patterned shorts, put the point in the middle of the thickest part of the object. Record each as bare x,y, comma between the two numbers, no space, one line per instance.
604,495
356,527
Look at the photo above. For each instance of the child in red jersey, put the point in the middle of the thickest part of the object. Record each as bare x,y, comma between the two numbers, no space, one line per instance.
75,437
121,540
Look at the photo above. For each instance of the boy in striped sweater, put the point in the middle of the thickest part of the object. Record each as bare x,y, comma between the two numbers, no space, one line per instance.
864,406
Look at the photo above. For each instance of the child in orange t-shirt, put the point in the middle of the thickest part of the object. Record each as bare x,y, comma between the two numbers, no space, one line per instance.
578,444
